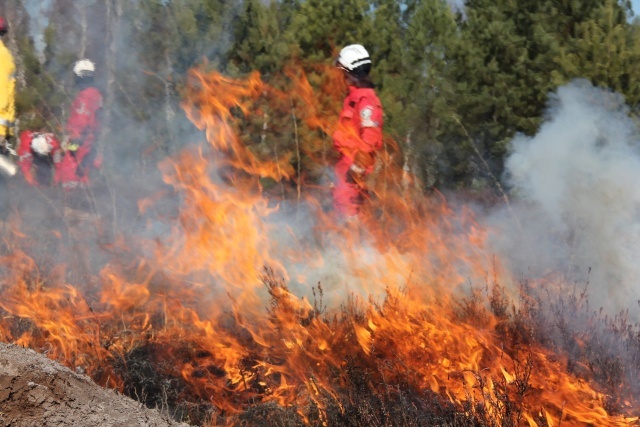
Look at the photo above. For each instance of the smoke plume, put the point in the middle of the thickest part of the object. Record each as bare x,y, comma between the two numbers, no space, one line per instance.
578,209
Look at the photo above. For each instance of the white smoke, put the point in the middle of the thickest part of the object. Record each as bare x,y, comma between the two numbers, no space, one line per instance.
457,5
37,10
577,186
313,258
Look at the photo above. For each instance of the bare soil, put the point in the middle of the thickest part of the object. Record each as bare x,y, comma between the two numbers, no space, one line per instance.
37,391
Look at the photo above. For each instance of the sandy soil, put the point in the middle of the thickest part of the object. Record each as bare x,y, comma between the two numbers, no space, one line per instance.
37,391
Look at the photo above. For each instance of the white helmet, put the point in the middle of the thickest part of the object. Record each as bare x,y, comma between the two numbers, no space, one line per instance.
84,68
353,56
40,145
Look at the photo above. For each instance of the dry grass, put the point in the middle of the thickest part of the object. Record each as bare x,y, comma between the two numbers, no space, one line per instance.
600,349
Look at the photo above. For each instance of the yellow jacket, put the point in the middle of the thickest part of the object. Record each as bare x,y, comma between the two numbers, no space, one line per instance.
7,91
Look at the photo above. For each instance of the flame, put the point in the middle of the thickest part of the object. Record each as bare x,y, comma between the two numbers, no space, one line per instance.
199,295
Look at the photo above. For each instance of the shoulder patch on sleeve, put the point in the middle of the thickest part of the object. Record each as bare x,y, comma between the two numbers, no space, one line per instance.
366,115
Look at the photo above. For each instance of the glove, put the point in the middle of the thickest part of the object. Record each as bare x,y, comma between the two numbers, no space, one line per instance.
7,167
357,170
355,175
73,145
4,146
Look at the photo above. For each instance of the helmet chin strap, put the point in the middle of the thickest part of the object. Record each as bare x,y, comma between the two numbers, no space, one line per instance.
351,80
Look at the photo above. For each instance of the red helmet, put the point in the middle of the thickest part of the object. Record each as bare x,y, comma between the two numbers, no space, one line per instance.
3,25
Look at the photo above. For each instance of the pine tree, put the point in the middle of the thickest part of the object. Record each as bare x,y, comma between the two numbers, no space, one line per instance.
165,40
495,83
605,50
321,27
506,64
260,42
427,89
391,73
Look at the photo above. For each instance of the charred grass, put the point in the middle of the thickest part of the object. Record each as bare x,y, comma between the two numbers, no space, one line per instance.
377,389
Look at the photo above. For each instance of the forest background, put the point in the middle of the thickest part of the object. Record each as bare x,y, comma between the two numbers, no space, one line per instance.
456,82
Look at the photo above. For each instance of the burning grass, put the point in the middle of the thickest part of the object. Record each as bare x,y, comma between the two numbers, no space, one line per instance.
386,385
367,324
484,360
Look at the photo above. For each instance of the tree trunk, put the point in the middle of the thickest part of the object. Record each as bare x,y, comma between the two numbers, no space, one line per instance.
168,91
83,29
298,157
406,166
113,16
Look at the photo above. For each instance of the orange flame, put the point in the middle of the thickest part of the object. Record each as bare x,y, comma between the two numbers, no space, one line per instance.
391,282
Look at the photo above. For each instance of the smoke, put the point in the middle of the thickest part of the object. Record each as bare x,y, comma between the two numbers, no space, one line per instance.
339,265
575,180
135,134
457,5
578,208
39,21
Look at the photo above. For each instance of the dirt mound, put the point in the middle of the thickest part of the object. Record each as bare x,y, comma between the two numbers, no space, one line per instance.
35,390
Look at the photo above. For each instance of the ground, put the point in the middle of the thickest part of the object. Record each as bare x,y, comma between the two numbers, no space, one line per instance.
36,391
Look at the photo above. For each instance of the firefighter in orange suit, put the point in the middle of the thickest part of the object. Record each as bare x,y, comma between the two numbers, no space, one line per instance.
358,136
39,157
82,128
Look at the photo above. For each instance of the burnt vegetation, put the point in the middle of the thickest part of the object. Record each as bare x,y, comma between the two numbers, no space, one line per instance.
379,388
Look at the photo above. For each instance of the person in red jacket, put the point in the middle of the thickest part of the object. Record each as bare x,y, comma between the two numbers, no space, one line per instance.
82,128
39,154
358,136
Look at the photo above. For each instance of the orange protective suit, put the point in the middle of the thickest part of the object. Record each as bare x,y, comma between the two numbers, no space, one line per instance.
37,168
82,129
357,138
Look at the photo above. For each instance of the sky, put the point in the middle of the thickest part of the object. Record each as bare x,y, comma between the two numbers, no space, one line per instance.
636,6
